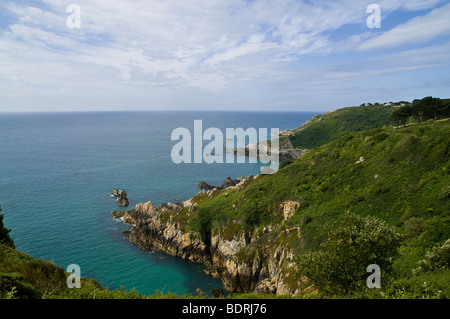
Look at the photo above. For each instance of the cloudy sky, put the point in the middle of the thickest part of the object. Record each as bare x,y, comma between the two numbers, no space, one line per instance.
305,55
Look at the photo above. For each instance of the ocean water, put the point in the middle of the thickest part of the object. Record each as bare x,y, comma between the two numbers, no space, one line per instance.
57,170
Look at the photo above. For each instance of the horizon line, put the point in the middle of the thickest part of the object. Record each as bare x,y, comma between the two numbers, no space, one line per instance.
136,111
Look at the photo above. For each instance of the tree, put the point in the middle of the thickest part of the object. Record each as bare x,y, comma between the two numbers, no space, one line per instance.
415,109
354,243
402,114
444,110
428,108
4,237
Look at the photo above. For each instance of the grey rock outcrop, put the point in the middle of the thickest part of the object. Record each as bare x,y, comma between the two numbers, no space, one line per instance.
246,262
205,185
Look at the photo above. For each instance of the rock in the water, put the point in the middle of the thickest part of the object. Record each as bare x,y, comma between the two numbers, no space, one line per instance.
205,185
122,200
115,193
229,182
121,197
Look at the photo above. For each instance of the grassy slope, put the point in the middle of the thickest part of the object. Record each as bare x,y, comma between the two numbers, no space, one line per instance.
22,276
411,190
326,127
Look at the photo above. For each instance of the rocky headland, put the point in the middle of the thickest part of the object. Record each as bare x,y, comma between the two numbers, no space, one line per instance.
286,150
245,261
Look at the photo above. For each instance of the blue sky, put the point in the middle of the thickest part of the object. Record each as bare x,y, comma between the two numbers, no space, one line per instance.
281,55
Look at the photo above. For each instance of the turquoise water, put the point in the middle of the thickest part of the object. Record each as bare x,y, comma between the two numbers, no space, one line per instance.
57,170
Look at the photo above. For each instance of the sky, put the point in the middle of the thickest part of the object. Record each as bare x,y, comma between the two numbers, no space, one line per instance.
255,55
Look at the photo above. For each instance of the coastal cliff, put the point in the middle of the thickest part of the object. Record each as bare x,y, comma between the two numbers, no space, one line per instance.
248,261
150,231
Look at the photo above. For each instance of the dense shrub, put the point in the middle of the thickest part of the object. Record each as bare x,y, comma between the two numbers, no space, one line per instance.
340,264
4,233
432,285
13,286
437,259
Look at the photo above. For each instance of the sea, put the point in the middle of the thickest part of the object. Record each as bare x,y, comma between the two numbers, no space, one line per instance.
57,171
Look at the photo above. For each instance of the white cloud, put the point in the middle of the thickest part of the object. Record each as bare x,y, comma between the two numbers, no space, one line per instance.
39,37
417,30
157,51
410,5
255,44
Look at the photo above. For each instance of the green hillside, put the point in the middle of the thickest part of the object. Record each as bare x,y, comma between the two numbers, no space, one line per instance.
399,176
404,174
327,127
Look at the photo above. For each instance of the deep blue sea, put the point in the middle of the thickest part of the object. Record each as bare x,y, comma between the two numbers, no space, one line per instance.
57,170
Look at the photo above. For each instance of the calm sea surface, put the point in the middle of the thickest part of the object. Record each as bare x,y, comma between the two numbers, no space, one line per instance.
57,170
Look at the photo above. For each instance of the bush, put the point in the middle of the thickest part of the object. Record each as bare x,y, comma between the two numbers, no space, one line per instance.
13,284
414,226
433,285
4,233
285,163
353,244
445,193
202,223
436,260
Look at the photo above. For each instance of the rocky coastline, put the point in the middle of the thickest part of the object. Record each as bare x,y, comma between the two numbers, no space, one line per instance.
285,152
248,262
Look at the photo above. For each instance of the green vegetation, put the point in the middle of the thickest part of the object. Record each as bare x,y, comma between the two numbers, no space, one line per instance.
324,128
339,266
4,233
402,174
398,176
422,110
327,127
24,277
437,259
